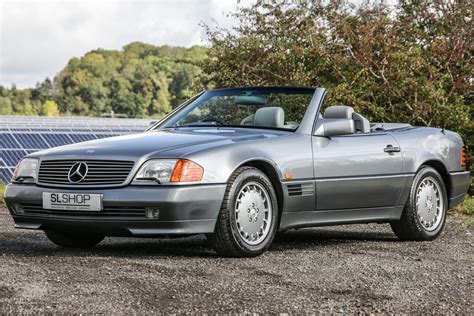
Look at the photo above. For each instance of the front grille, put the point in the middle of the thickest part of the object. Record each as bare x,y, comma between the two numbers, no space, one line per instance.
122,212
100,172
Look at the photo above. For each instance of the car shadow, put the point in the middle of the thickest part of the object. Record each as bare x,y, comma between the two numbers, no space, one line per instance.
34,244
326,237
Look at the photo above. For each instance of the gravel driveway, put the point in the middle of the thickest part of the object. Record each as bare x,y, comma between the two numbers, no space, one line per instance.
360,268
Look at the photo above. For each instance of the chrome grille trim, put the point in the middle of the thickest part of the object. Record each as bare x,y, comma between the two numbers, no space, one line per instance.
101,172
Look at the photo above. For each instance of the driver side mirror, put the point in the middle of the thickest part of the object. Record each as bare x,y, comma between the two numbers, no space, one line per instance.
335,127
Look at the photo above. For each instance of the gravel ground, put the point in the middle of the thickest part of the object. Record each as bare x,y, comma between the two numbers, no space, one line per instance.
345,269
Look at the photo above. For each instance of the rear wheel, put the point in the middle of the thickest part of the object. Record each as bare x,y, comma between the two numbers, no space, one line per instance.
248,217
73,240
424,215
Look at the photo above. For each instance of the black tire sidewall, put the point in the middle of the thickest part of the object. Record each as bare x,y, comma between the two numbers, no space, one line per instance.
252,175
420,176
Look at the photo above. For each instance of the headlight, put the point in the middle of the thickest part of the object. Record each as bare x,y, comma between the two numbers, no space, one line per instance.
156,170
26,171
168,171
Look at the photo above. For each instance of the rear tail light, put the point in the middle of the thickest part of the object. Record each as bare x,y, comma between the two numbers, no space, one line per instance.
186,171
463,157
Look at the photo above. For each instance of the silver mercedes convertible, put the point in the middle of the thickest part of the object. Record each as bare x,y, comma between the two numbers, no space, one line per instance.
239,165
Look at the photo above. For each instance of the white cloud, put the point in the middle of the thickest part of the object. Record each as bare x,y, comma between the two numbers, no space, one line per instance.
37,38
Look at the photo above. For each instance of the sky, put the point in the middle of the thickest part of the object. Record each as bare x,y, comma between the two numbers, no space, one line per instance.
38,37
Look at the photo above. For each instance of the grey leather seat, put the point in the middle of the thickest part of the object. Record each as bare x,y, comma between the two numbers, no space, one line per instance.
361,124
269,116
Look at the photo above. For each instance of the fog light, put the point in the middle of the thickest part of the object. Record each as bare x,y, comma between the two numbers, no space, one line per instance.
152,212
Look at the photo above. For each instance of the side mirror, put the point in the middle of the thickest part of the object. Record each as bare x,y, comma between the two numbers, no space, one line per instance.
334,127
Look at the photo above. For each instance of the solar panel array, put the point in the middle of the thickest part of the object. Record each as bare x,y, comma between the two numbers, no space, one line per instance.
21,135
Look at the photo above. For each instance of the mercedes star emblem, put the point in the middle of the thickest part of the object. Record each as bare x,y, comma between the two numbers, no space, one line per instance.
78,172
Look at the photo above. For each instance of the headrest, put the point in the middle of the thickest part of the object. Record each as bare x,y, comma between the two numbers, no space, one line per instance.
269,116
339,111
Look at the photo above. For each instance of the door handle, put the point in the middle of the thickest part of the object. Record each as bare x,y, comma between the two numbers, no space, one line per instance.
390,149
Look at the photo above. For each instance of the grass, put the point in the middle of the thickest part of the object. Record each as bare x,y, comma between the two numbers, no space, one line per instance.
469,222
466,208
2,189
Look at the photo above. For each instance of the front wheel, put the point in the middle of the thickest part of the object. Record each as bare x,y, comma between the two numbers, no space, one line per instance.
72,240
424,215
248,217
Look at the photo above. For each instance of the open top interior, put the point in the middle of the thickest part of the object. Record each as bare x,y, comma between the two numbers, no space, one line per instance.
360,123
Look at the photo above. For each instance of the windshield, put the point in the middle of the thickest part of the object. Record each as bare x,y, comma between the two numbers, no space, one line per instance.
277,108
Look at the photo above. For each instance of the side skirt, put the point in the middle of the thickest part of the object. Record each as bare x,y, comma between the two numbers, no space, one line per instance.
340,217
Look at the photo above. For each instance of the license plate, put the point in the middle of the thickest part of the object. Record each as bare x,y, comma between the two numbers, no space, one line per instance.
72,201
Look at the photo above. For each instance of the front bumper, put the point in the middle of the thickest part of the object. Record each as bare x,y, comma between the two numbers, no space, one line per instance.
459,183
189,209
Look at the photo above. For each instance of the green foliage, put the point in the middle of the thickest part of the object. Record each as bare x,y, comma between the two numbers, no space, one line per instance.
50,108
138,82
5,106
2,190
410,64
28,109
466,208
142,80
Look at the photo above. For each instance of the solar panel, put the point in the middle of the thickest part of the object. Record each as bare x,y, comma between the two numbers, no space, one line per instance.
8,141
55,140
11,157
103,135
30,140
21,135
77,138
6,173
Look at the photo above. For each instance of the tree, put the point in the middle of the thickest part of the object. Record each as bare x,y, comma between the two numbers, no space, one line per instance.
141,80
50,108
5,106
28,109
410,63
43,90
160,104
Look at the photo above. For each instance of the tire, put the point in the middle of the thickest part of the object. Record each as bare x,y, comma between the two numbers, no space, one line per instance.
425,220
71,240
243,212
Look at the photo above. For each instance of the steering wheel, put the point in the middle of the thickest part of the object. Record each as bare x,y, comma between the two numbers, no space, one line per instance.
212,119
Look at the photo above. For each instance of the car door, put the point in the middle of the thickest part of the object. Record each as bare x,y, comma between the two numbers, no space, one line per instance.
357,171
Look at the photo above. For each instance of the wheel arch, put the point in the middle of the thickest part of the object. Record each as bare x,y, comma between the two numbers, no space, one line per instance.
440,167
269,169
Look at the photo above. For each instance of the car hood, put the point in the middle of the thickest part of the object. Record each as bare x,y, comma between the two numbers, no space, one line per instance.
152,144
